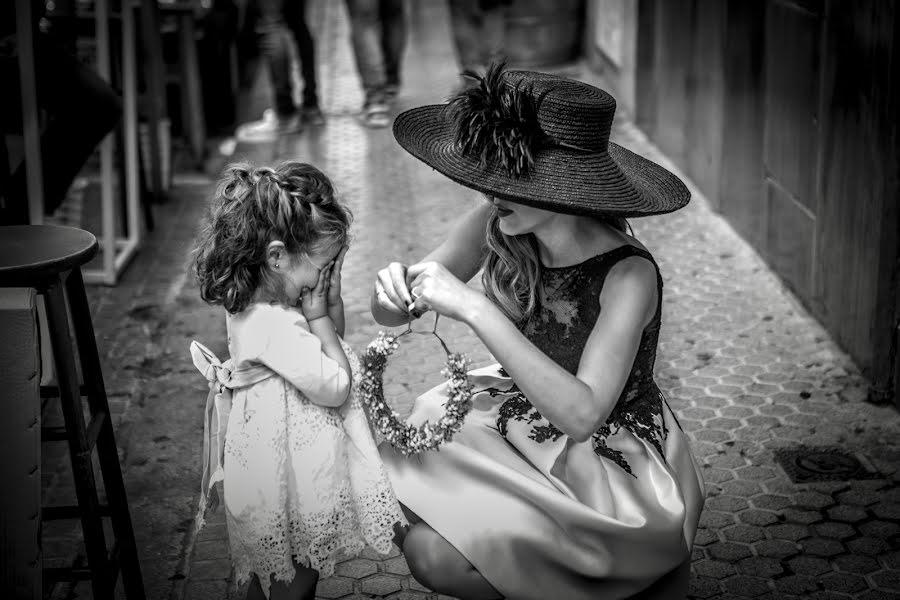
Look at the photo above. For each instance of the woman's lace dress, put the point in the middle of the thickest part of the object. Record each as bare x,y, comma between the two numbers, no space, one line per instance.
301,481
539,514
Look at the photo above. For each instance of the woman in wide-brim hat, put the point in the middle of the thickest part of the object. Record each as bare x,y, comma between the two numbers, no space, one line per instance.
570,477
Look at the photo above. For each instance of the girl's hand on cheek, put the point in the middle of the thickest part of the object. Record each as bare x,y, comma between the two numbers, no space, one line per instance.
334,290
314,302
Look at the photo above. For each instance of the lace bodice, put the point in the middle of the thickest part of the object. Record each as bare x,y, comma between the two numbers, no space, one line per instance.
569,304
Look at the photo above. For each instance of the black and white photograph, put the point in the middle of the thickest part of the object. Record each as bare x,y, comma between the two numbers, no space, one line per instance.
450,299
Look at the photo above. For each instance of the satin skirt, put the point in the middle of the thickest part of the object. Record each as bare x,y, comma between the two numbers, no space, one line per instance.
552,518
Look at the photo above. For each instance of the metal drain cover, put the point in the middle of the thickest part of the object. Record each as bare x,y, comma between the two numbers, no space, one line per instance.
824,463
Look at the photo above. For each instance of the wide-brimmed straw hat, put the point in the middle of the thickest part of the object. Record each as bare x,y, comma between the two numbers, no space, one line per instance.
539,140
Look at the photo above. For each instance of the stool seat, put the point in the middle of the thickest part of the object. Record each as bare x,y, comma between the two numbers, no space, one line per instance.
41,250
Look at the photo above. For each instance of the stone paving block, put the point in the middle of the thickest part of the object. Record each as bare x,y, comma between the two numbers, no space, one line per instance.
776,548
334,587
705,537
219,568
806,517
741,488
715,519
847,514
396,565
868,546
861,565
891,559
356,568
809,565
729,551
838,531
727,503
746,534
760,518
407,595
771,501
715,569
746,587
380,585
761,566
713,475
211,549
878,595
818,546
206,590
703,587
887,510
889,580
813,500
755,473
797,585
846,583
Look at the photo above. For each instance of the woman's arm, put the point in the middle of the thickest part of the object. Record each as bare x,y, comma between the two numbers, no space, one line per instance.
462,254
578,405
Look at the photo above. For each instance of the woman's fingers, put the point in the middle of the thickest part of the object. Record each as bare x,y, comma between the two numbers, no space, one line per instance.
398,276
386,295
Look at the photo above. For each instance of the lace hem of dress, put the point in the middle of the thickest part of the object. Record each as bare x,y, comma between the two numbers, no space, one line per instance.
316,540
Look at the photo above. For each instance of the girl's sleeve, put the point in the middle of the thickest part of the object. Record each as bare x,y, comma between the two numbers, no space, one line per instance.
292,351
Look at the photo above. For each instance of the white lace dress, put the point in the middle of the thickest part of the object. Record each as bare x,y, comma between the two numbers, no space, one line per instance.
301,480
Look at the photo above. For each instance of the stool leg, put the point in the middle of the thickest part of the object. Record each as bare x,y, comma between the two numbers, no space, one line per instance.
79,450
107,451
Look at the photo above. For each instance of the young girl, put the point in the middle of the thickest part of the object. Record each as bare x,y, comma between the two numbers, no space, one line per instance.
303,483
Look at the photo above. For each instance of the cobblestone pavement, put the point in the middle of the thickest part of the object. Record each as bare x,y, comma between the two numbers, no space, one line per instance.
746,369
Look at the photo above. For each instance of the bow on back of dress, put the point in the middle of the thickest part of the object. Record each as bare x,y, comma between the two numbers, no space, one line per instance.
223,379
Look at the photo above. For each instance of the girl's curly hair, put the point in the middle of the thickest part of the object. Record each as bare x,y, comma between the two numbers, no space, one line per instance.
253,206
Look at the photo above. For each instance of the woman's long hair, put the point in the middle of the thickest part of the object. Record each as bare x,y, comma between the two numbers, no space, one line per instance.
512,269
253,206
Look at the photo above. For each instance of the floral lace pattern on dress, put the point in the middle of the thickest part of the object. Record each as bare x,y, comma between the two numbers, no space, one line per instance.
569,307
306,482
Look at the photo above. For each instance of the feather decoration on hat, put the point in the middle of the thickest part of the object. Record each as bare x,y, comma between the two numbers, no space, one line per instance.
497,122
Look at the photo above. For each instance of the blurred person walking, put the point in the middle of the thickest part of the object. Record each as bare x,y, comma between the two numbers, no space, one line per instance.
275,22
378,35
479,32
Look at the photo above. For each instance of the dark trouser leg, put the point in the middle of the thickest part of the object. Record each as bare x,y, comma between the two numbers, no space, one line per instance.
393,39
295,16
465,23
366,39
82,109
275,47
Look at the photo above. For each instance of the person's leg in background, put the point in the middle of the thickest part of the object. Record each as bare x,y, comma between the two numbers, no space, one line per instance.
393,43
274,44
365,36
295,17
465,23
82,109
479,32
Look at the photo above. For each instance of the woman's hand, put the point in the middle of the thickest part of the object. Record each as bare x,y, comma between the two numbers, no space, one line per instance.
334,284
391,292
314,302
433,287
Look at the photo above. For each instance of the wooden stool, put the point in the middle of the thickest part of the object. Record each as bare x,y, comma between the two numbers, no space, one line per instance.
49,259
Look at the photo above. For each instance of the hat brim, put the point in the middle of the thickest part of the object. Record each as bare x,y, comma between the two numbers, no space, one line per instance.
617,183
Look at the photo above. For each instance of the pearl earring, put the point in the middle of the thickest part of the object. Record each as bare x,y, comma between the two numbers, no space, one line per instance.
276,265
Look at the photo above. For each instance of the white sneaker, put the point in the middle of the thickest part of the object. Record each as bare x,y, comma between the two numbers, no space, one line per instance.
269,128
375,115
